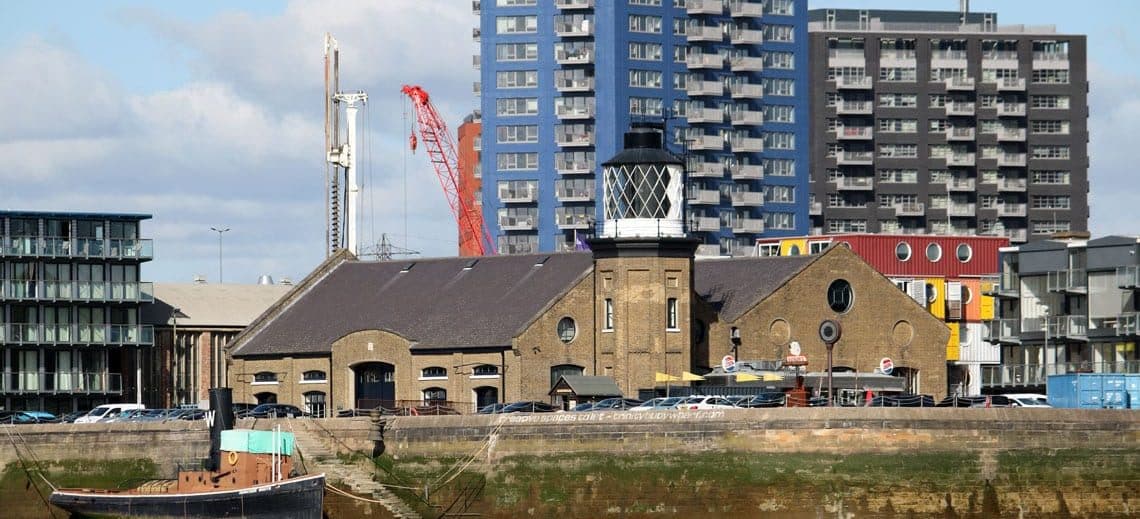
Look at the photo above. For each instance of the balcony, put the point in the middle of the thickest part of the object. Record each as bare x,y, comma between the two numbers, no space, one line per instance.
518,196
1011,109
745,36
476,6
1011,160
704,6
475,34
747,199
1069,327
855,158
477,144
853,82
960,108
581,84
580,167
574,4
575,56
746,91
61,383
1011,134
854,132
703,169
706,142
1004,331
696,115
910,209
574,112
748,225
1011,84
476,62
960,83
1069,281
574,194
698,60
95,291
746,117
705,88
1128,325
747,172
746,144
518,248
960,184
959,133
815,209
1015,185
1003,285
703,196
745,8
845,107
1011,210
570,29
708,250
1128,277
585,138
576,221
855,183
82,248
960,159
704,223
704,33
747,64
966,210
477,88
517,223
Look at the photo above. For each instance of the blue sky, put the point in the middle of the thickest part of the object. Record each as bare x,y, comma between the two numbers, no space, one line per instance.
208,113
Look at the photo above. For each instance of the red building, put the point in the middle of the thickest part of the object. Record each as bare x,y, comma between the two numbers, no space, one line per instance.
947,275
469,150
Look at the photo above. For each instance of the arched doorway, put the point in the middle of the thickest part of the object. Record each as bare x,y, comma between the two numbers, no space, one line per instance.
485,396
375,385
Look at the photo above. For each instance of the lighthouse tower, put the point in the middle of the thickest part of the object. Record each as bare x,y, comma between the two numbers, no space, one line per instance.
643,260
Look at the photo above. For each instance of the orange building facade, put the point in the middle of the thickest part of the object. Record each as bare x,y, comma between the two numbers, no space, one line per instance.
470,148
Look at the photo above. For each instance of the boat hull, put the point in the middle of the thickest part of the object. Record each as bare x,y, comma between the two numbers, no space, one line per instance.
296,498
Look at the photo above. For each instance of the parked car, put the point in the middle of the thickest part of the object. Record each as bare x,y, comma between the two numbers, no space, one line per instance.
658,404
274,411
529,407
706,402
106,411
1028,400
903,400
584,406
994,401
764,400
16,418
70,417
43,416
242,407
961,401
615,404
492,408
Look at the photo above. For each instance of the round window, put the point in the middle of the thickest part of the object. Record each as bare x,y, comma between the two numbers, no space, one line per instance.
902,251
934,252
567,330
964,252
840,296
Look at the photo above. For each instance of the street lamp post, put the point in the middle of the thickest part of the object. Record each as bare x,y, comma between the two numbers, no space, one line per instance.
219,231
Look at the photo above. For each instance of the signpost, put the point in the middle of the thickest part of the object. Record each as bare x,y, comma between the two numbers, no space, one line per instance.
728,364
795,355
829,333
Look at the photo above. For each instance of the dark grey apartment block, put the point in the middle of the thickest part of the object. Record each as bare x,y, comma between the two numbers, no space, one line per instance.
946,123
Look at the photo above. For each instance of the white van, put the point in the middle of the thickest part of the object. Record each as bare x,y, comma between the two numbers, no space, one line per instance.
106,412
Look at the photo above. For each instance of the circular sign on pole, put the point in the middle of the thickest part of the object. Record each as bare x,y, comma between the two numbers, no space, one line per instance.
829,331
886,365
728,364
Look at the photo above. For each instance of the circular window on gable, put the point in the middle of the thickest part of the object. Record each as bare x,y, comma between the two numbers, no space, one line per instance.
840,296
934,252
902,251
567,330
964,252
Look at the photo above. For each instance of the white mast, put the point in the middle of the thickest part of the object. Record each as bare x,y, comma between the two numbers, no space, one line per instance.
346,158
340,155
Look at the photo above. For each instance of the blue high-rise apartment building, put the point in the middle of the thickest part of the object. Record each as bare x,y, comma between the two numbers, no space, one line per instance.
562,80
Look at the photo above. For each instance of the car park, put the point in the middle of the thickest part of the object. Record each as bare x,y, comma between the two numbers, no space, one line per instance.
70,417
492,408
105,412
43,416
763,400
705,402
16,418
658,404
584,406
529,407
616,404
274,411
1028,400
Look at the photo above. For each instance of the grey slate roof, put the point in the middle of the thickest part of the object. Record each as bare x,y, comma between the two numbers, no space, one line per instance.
437,303
585,385
735,285
206,305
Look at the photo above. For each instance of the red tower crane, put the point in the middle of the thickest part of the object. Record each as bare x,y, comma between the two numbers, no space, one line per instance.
441,152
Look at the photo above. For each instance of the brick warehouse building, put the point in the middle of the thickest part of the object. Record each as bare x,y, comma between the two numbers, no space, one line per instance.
475,331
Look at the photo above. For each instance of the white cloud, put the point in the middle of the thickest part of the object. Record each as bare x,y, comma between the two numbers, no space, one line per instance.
1114,122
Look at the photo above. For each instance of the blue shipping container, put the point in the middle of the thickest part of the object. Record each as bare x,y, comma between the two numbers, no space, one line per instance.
1090,391
1132,382
1134,399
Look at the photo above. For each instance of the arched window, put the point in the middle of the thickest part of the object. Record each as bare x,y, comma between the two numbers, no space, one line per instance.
314,376
265,377
485,370
266,398
556,372
435,395
434,372
315,404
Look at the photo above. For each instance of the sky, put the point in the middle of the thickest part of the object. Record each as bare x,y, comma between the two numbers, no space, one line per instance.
208,114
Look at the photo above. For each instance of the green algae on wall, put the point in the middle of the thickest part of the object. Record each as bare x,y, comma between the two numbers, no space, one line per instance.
21,495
